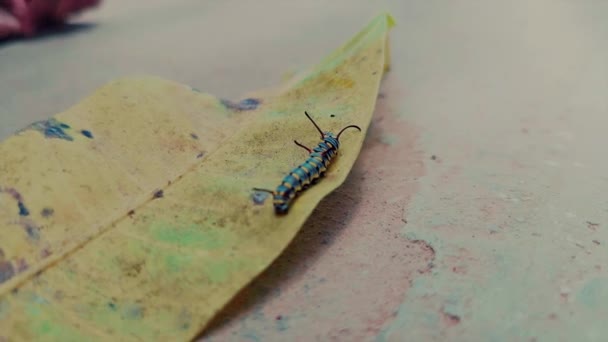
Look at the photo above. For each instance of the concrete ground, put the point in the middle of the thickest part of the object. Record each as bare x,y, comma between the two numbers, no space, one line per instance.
479,207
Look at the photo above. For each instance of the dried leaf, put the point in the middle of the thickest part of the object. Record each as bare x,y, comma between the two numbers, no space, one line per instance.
131,215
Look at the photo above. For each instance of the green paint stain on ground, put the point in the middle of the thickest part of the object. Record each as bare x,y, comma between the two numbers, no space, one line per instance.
595,293
389,139
190,236
282,323
454,306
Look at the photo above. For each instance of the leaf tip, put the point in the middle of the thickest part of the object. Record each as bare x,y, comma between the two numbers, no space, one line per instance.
390,19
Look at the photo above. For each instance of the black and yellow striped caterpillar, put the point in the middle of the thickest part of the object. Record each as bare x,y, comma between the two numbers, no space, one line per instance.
308,172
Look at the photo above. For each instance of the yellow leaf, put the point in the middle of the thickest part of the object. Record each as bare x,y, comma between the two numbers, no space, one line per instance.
132,216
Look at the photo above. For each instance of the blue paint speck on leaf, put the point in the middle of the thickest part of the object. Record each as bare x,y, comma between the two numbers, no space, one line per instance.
246,104
32,231
51,128
259,197
87,133
133,312
22,209
249,104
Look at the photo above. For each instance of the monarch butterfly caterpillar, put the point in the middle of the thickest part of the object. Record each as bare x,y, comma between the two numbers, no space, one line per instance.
310,171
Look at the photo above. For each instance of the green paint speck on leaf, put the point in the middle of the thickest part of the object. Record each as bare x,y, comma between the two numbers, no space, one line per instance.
45,328
176,263
190,236
4,308
219,271
33,310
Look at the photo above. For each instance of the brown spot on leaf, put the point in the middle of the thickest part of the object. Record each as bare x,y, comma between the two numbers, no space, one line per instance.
6,271
45,253
159,194
133,269
14,194
47,212
22,265
32,231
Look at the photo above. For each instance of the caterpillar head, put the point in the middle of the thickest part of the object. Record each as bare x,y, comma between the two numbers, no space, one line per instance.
281,209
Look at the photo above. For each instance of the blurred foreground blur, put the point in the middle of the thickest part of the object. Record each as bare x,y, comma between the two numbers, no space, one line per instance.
26,17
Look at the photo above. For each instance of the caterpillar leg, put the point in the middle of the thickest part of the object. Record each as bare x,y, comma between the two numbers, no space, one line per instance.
302,146
264,190
316,180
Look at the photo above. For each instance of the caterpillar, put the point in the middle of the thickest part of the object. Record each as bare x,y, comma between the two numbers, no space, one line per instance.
310,171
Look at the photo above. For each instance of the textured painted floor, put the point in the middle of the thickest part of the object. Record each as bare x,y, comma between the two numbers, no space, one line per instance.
477,210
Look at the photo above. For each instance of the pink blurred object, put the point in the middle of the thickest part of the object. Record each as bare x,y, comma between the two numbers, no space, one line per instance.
26,17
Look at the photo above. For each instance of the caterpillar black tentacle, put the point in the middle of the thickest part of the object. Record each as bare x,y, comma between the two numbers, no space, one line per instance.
309,172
